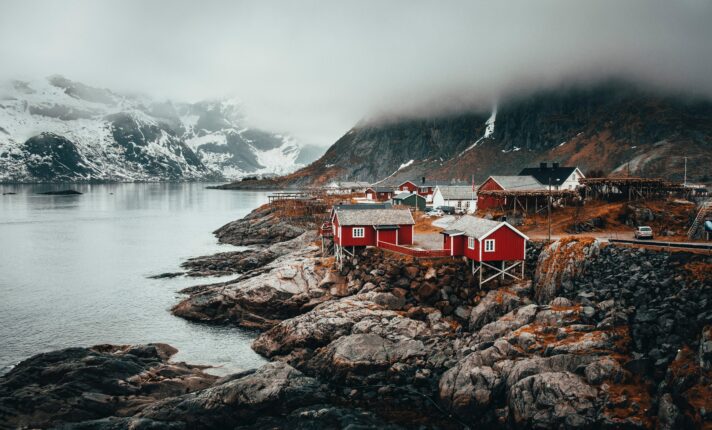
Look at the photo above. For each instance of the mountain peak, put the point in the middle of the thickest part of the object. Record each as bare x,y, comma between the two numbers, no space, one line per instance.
117,137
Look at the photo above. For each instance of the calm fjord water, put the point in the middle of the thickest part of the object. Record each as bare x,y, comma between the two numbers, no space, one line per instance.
74,269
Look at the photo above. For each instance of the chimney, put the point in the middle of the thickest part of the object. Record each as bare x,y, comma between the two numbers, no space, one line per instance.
542,165
423,180
555,165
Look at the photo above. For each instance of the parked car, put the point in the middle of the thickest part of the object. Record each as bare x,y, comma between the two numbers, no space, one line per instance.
643,232
450,210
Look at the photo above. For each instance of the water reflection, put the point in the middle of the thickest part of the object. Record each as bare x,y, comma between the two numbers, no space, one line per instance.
73,269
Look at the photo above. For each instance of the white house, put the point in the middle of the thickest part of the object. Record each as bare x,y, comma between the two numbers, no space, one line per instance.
561,178
462,197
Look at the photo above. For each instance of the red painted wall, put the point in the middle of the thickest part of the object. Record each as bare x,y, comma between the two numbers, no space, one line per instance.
387,236
378,196
486,202
348,240
457,248
408,186
472,254
405,235
508,245
458,245
426,191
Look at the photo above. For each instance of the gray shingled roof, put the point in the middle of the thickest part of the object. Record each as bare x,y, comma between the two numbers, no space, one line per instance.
473,226
457,192
362,206
519,183
375,217
381,189
405,195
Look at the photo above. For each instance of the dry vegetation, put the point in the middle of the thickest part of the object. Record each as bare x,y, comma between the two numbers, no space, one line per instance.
669,215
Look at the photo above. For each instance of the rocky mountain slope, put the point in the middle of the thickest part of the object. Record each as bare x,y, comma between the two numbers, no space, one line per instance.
614,127
62,130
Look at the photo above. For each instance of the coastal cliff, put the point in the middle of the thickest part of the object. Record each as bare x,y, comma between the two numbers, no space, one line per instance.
603,337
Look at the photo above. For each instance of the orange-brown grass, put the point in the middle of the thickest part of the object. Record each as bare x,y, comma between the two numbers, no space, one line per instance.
635,392
669,215
424,224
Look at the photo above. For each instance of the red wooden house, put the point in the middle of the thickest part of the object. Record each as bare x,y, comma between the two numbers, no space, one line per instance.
357,228
424,188
487,243
379,194
408,186
513,183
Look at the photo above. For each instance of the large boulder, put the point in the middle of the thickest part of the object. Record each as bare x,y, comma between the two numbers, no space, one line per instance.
282,289
553,400
492,306
319,327
357,357
561,263
469,388
274,389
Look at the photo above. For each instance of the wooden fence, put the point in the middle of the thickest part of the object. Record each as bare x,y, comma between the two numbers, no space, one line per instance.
419,253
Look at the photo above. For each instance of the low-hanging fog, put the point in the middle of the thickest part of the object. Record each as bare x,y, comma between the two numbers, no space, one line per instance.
314,68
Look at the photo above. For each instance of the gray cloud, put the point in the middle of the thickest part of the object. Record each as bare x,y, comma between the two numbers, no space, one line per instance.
315,68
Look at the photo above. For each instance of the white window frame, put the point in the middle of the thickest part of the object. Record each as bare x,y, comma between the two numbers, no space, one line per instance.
489,242
361,230
471,242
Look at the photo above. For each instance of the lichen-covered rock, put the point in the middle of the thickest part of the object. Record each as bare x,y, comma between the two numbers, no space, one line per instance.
495,304
553,400
358,356
604,369
273,389
469,388
560,263
318,327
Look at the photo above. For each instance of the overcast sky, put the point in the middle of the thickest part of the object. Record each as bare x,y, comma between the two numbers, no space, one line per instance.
314,68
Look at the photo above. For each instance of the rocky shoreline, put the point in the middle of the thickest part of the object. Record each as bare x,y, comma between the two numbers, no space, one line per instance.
602,337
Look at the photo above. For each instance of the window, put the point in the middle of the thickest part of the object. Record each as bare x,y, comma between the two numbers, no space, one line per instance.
359,232
489,245
471,242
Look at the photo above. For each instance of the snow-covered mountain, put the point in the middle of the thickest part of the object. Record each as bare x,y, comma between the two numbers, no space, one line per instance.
61,130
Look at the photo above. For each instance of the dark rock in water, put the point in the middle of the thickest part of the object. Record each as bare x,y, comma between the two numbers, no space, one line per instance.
166,275
61,193
80,384
10,193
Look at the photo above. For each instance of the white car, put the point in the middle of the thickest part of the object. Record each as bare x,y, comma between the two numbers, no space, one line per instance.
643,232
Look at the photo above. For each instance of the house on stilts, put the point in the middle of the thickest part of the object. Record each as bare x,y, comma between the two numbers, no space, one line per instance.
495,248
355,228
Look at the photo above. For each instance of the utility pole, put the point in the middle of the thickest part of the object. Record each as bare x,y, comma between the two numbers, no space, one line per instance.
548,209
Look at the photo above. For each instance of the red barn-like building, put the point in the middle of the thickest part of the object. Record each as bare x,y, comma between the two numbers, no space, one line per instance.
487,242
513,183
379,194
359,227
424,188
